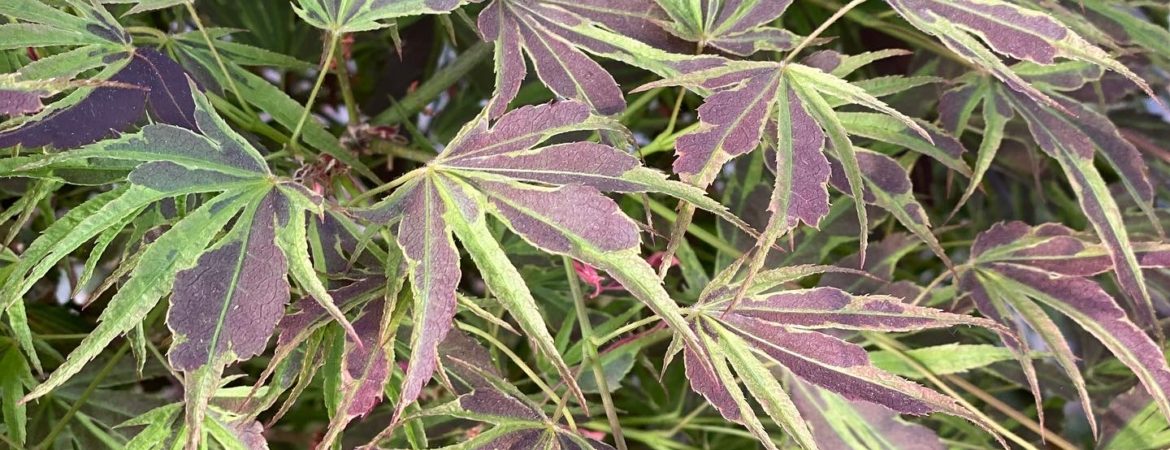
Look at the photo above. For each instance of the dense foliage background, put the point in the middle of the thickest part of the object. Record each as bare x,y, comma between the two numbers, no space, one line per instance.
514,224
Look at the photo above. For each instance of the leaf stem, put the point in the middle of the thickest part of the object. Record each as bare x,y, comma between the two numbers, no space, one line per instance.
249,123
694,230
627,328
666,143
388,186
4,437
925,294
522,365
93,385
324,70
190,4
343,82
589,345
84,398
886,343
401,151
821,29
635,106
1049,436
875,22
162,37
686,420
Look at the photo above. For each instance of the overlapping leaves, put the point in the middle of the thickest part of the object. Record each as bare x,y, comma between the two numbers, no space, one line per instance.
556,35
516,422
550,196
786,328
839,423
129,80
230,231
1074,139
789,106
229,290
738,27
349,16
1015,268
1008,29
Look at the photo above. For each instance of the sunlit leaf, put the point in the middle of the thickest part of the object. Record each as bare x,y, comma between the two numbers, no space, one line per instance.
1007,29
349,16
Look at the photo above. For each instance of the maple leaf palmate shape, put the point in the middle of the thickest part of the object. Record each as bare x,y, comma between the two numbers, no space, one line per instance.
538,29
735,27
1016,267
1075,141
516,422
772,327
789,107
549,195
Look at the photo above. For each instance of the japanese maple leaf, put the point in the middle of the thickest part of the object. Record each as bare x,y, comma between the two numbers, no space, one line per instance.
558,36
228,290
350,16
738,27
130,81
516,422
787,328
789,107
1074,135
549,195
536,28
1015,268
974,29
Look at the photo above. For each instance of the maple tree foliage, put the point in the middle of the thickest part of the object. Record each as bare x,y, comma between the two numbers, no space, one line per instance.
592,224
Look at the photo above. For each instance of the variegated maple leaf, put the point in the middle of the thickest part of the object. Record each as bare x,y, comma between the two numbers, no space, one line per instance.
350,16
517,423
973,29
557,36
1074,135
786,328
538,29
1015,268
229,290
839,423
737,27
790,107
129,81
549,195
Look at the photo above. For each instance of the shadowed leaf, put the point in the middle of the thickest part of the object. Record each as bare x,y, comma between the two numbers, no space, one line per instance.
1017,264
148,79
1132,420
517,422
887,185
1074,144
